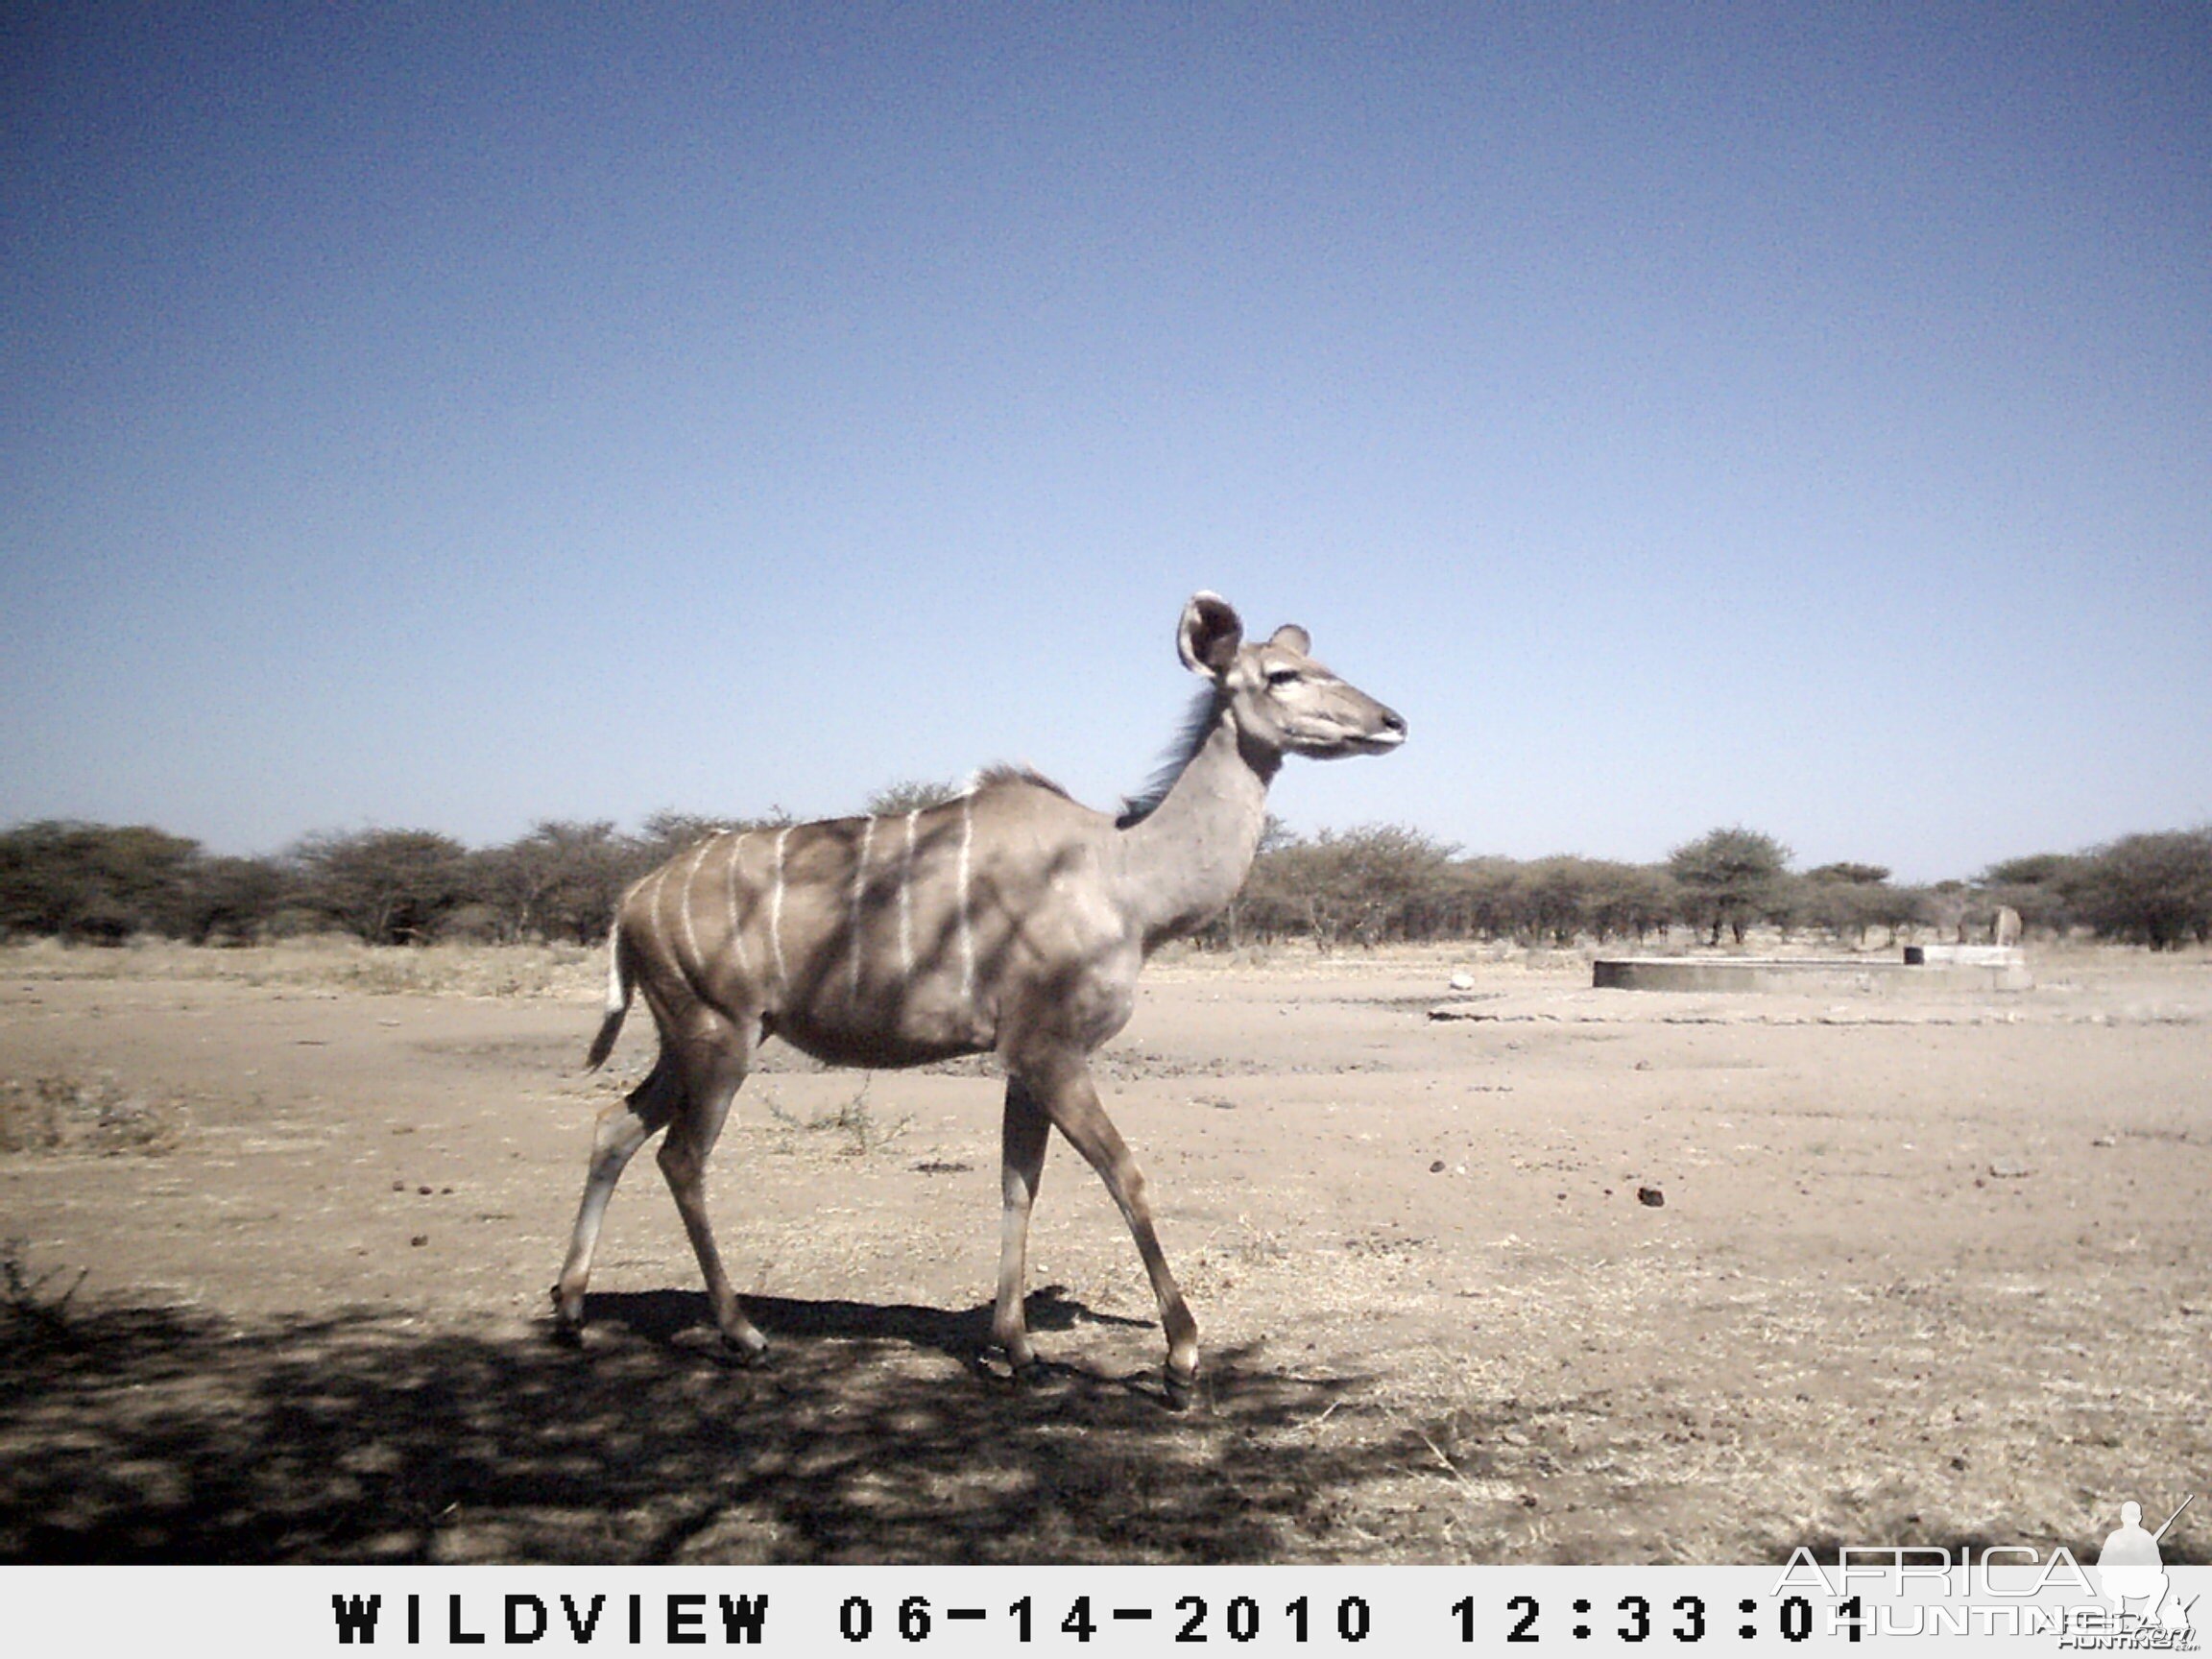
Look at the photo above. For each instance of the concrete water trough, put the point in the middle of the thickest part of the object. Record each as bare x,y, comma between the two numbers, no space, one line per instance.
1921,968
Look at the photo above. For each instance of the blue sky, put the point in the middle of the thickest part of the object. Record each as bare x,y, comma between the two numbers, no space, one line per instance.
454,417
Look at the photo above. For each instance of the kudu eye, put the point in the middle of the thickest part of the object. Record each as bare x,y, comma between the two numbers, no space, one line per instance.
1284,676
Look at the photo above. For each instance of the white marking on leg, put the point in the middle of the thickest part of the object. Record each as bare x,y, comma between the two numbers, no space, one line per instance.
859,893
966,925
906,903
776,912
730,903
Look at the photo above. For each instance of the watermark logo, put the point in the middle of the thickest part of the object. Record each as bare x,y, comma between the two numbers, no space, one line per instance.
2013,1589
2130,1569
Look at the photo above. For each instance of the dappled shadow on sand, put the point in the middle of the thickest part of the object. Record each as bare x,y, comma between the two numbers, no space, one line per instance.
158,1434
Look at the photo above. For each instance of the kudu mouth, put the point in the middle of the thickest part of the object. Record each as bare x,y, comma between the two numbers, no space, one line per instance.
1387,733
1377,742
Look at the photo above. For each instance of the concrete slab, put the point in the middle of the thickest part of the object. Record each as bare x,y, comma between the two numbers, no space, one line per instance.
1876,977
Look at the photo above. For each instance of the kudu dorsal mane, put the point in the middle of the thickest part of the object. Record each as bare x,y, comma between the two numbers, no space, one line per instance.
1000,776
1198,722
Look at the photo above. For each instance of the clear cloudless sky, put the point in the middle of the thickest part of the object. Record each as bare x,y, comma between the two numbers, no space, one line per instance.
455,415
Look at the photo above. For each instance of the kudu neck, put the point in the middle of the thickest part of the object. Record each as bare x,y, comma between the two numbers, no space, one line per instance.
1185,860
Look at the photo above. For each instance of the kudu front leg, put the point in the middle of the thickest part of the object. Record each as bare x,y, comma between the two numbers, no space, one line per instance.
1072,1105
1023,1135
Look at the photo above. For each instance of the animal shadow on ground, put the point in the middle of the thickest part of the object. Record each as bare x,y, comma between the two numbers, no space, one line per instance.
132,1433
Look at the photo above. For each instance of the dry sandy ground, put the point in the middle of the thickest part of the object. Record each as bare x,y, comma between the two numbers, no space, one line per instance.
1927,1269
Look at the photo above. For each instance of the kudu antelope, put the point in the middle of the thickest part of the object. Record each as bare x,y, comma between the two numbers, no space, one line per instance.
1012,921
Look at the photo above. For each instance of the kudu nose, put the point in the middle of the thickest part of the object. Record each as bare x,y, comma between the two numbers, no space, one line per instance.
1394,722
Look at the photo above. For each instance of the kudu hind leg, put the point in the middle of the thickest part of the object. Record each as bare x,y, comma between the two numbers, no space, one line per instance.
622,1129
691,1136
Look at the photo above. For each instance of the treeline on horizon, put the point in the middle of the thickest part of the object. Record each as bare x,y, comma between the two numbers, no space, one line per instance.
1377,885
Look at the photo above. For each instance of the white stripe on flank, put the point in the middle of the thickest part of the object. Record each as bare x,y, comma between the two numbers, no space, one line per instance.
859,893
730,902
906,901
966,925
658,879
776,912
690,938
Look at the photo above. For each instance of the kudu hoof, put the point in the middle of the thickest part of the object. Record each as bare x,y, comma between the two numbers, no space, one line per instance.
994,1364
746,1356
1179,1389
567,1327
1035,1375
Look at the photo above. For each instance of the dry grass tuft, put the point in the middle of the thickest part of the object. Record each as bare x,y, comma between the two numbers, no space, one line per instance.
853,1118
82,1115
329,963
29,1308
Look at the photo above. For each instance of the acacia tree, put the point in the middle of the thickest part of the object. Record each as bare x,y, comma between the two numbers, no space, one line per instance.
1484,895
562,881
233,899
93,881
2153,890
1553,895
1362,886
1729,878
1848,898
1624,898
909,795
2037,887
387,886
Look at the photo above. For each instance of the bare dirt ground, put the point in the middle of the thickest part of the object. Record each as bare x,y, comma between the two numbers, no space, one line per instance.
1927,1269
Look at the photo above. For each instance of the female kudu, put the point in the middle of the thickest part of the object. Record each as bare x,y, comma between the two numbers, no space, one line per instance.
1012,921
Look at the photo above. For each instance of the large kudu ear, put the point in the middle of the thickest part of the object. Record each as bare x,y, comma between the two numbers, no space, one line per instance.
1210,633
1292,638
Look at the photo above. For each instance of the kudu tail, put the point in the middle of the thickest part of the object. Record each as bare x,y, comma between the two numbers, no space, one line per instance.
619,988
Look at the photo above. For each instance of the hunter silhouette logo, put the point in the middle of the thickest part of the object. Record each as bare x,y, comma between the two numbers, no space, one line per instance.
2130,1569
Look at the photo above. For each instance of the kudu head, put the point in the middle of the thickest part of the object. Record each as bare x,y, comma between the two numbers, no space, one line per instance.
1282,701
